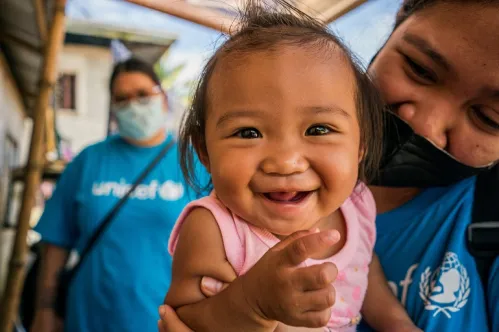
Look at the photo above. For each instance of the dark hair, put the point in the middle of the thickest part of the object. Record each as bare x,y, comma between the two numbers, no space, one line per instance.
410,7
265,27
133,65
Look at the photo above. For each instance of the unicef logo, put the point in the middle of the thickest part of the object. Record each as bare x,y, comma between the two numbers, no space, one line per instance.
447,289
171,191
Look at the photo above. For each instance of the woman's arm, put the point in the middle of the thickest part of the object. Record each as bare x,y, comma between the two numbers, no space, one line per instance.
53,259
381,309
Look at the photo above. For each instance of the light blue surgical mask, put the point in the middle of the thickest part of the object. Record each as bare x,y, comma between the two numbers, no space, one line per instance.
142,119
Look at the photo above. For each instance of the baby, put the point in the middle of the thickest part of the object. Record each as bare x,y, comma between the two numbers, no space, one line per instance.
288,126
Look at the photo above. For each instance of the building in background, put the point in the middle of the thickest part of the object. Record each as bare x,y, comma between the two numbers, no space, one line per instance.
81,101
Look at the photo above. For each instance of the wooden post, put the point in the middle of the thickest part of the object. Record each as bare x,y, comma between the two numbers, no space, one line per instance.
50,138
209,18
10,301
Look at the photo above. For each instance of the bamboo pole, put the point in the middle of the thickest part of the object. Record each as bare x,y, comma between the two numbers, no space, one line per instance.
10,300
203,16
50,139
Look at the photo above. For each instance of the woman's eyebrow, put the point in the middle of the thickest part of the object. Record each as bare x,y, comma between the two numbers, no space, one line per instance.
425,47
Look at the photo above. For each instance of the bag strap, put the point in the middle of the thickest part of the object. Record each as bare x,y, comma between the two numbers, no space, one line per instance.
117,207
483,232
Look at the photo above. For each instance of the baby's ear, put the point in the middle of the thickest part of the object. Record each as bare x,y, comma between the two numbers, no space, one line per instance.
362,154
203,155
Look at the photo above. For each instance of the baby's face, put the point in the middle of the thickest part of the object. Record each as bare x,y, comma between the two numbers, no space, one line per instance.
282,136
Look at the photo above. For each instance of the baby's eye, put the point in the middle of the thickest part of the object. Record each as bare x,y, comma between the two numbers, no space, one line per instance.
248,133
318,130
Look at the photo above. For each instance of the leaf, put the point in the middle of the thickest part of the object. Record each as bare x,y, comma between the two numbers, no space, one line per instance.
460,305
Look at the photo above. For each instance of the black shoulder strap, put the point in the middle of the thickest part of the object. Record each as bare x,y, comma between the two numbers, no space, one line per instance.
483,233
116,208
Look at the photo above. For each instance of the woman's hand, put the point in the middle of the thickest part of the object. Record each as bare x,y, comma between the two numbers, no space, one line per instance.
170,322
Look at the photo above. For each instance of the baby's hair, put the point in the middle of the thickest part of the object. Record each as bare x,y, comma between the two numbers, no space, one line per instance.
266,26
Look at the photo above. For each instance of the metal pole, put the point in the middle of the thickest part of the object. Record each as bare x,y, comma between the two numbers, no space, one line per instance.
15,280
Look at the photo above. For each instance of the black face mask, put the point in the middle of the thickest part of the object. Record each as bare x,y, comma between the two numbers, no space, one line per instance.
410,160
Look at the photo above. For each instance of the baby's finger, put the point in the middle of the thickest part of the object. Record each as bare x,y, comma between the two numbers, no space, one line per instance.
315,318
314,277
306,246
296,235
317,300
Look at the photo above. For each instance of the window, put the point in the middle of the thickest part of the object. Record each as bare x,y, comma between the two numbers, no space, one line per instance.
65,92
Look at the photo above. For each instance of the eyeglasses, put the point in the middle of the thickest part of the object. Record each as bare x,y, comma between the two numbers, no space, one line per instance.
141,96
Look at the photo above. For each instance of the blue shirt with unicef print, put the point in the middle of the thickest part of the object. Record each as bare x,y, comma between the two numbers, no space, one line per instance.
126,276
422,248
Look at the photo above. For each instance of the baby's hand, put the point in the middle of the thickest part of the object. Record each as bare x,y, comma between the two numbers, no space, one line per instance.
278,290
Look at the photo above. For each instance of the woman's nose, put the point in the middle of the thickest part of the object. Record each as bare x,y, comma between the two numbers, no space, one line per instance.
430,120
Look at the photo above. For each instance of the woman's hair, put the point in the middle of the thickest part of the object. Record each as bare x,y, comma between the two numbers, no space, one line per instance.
410,7
133,65
266,27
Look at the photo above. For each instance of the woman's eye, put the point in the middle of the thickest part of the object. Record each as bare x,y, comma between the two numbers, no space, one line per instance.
420,71
318,130
484,119
248,133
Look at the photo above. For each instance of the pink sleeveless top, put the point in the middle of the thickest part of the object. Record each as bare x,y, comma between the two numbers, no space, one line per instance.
245,244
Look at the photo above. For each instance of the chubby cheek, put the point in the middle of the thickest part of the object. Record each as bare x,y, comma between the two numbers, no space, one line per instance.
231,171
339,172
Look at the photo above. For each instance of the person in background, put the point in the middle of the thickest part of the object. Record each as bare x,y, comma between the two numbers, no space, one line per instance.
121,283
439,74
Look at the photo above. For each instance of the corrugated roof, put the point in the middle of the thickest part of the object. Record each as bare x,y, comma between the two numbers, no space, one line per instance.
326,10
22,43
221,14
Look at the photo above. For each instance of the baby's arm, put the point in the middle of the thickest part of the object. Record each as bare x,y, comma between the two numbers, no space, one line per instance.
200,252
381,309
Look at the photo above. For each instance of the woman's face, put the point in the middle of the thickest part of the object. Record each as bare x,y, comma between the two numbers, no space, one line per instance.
134,85
440,72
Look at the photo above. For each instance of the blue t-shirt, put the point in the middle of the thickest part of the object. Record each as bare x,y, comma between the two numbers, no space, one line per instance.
493,296
126,276
422,248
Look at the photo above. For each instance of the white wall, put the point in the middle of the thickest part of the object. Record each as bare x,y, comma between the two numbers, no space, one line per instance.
11,106
11,124
93,66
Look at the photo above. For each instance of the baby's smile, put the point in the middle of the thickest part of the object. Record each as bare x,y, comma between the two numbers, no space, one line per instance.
287,196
